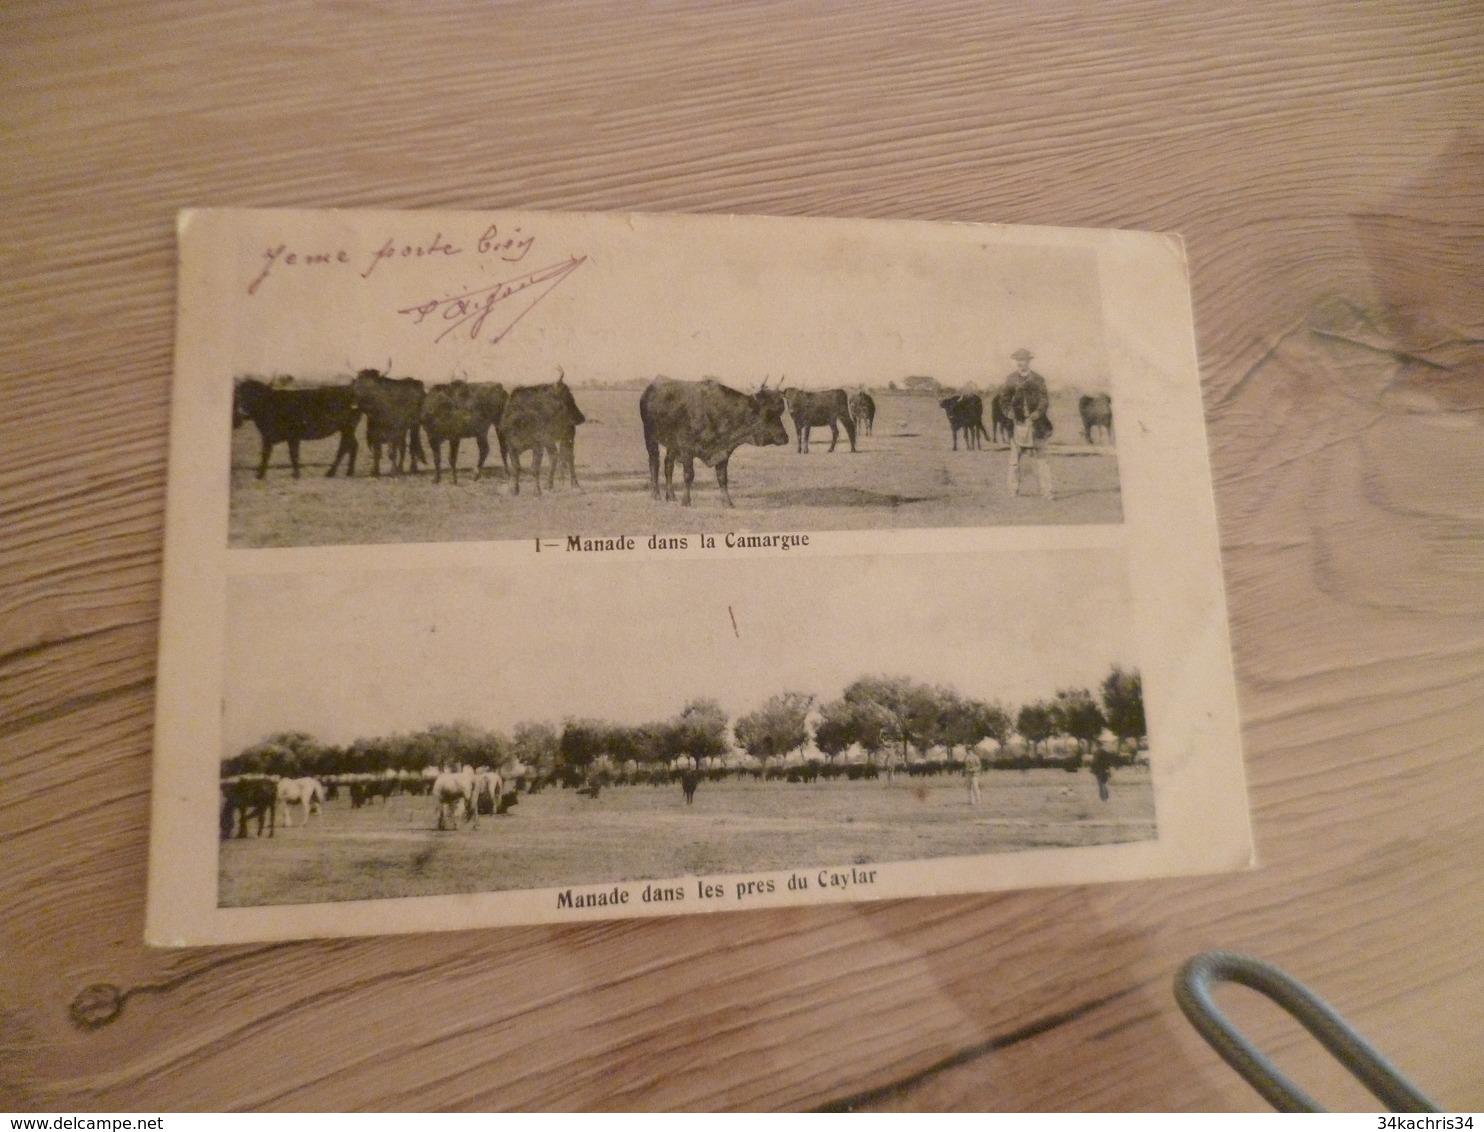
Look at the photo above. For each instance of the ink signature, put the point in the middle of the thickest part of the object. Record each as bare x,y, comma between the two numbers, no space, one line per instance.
470,310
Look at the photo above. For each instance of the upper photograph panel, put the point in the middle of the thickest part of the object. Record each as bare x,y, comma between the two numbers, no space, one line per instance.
437,377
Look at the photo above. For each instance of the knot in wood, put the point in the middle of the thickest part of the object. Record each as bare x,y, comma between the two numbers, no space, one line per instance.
96,1005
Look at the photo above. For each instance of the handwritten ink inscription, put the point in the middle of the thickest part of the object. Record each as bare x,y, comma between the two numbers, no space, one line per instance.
511,248
470,310
393,250
282,255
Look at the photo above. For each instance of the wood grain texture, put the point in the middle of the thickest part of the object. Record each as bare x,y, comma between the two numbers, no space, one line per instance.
1325,166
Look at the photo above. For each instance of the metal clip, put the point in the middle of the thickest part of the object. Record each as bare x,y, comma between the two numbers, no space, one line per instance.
1193,992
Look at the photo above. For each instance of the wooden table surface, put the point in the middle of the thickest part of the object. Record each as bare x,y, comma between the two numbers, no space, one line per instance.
1325,164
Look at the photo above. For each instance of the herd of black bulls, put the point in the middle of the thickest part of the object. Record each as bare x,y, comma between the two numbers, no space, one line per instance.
688,419
540,419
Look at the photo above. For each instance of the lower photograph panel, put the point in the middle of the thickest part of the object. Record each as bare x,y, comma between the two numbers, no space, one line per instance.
412,733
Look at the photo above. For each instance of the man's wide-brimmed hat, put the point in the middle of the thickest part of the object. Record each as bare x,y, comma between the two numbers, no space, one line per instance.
1022,355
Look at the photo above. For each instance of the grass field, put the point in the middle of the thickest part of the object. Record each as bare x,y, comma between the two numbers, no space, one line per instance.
558,838
905,475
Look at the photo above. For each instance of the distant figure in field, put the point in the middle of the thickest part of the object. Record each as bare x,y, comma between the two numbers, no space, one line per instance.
891,765
971,772
689,780
1029,407
1102,770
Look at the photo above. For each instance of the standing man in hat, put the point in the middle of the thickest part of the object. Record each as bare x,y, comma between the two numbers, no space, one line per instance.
1028,404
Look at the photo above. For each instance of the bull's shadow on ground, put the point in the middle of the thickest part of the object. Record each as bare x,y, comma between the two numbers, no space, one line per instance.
836,497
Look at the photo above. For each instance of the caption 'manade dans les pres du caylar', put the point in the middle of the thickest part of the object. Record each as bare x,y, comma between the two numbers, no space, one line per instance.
618,895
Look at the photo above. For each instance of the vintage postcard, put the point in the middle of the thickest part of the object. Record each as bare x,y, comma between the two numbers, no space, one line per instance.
538,567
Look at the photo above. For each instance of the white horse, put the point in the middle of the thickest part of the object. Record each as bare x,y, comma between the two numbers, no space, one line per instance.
452,790
488,784
305,792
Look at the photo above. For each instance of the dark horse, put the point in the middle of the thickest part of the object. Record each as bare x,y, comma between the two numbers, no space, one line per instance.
245,797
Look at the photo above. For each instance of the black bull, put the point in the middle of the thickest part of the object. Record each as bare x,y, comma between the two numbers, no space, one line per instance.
827,408
1001,424
1096,412
705,419
295,415
540,419
965,414
463,411
393,408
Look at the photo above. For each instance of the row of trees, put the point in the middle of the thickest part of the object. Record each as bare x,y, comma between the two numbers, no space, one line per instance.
886,718
297,753
881,713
